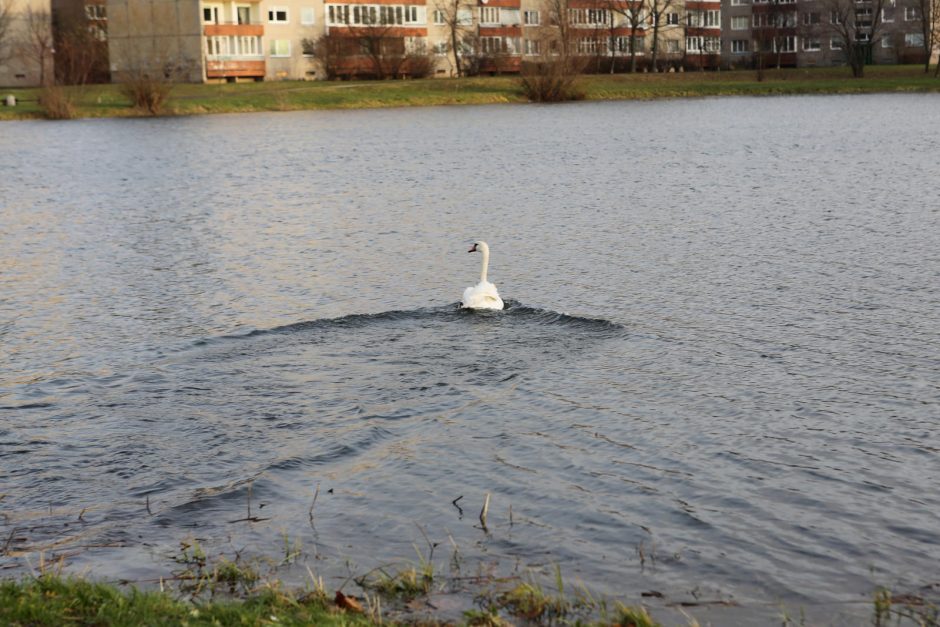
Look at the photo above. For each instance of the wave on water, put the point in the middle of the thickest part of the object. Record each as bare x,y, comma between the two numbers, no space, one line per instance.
515,313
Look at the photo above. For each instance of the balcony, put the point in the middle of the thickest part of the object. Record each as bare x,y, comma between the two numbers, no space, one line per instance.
233,67
233,30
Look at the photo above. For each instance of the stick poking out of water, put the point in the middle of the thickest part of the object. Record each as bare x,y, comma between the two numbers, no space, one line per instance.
249,517
486,507
315,495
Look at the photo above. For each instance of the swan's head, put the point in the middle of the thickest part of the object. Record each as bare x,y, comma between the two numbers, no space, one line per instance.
478,247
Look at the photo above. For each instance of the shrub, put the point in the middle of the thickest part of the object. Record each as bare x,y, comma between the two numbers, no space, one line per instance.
551,80
56,103
147,93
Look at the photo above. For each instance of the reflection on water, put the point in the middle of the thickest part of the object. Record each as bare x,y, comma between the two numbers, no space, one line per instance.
721,345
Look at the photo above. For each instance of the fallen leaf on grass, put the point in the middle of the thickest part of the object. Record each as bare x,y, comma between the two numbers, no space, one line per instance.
347,603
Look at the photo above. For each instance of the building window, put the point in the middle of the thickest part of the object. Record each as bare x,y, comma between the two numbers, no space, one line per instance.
531,18
489,15
887,15
216,46
835,44
277,15
211,14
672,19
911,14
441,48
243,14
703,44
737,3
739,22
439,17
588,45
886,42
740,46
810,18
704,19
96,11
784,44
337,13
811,44
307,16
499,45
280,47
835,17
672,45
532,46
914,40
589,17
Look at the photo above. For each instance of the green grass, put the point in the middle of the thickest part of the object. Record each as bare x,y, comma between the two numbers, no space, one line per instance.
53,600
192,99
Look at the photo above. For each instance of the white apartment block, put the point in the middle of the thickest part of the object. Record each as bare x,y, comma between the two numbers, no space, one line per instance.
232,40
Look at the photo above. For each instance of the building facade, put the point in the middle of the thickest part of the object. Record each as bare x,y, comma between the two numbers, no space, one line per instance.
26,43
233,40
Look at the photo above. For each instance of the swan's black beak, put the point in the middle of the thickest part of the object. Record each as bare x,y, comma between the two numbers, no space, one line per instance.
473,249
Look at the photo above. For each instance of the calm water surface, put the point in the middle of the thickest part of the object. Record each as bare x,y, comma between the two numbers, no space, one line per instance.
721,352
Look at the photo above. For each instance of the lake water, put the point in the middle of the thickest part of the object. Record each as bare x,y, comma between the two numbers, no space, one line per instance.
718,376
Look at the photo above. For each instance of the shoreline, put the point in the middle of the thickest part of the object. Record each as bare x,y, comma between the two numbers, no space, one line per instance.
99,101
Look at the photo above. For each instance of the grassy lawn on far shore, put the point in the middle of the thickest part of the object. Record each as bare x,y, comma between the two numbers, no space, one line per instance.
191,99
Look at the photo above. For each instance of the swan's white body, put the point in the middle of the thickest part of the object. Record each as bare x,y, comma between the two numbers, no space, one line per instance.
483,295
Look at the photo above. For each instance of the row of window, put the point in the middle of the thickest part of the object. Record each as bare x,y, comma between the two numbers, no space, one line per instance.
789,19
412,14
241,46
375,14
243,14
814,44
578,17
584,45
235,46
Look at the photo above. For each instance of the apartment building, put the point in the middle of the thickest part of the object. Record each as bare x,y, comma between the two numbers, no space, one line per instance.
26,50
231,40
809,33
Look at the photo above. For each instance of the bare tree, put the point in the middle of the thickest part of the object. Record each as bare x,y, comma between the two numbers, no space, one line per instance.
457,16
558,35
858,26
634,16
658,10
929,15
7,49
772,25
81,53
36,43
552,76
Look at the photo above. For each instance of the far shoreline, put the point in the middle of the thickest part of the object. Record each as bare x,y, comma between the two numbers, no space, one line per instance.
108,101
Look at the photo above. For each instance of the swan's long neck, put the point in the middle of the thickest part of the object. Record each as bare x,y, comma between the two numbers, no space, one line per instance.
486,261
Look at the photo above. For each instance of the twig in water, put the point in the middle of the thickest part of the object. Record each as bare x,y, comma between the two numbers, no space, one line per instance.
454,502
431,545
510,514
6,545
249,518
81,514
148,505
315,495
486,507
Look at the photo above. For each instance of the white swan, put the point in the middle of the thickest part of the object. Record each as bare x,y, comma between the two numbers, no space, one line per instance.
483,295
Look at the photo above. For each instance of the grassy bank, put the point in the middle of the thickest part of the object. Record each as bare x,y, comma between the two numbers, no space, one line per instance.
55,600
51,600
108,101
